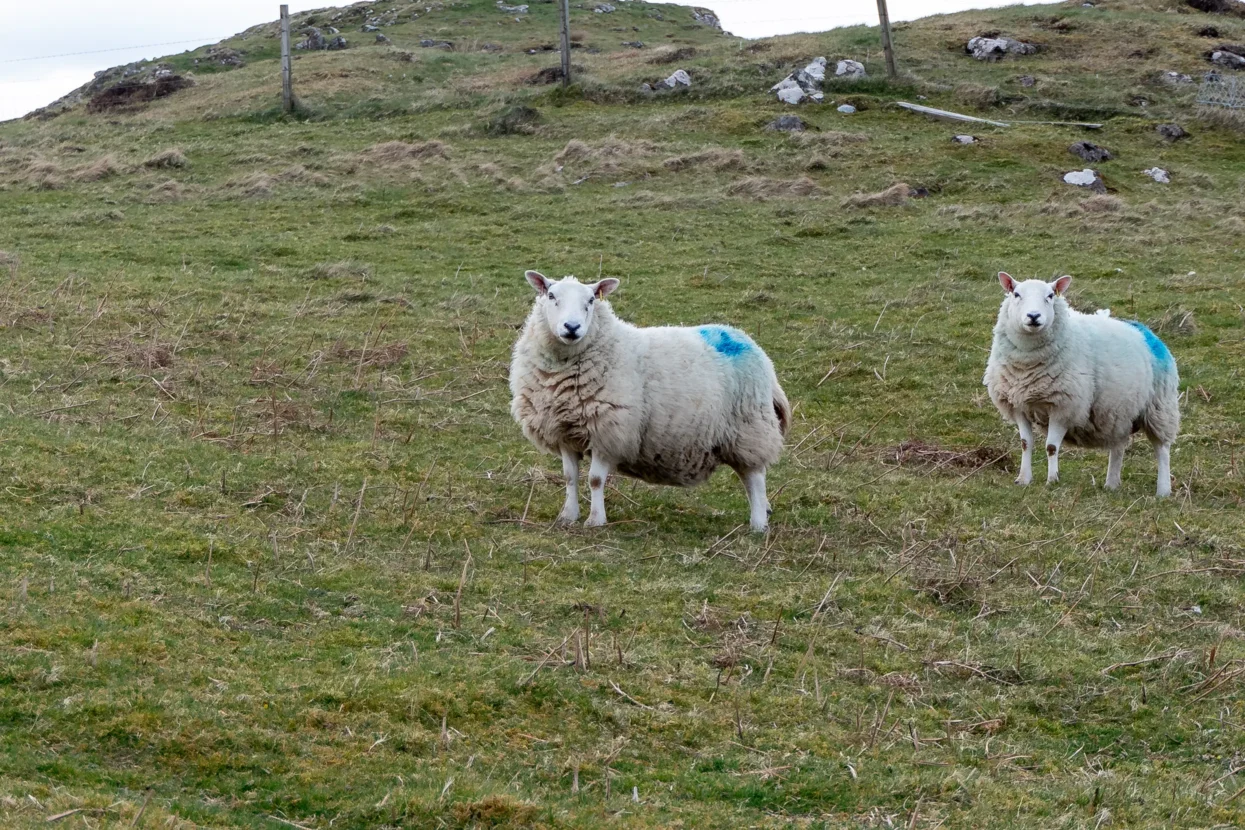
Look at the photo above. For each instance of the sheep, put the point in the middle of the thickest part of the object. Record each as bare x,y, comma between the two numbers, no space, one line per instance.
1090,379
666,405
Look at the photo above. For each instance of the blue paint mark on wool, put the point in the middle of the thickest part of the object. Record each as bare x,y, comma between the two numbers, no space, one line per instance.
727,342
1162,357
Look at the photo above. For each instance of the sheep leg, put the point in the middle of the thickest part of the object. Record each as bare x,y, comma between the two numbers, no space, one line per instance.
1115,462
1026,450
598,473
754,486
1055,432
570,469
1162,452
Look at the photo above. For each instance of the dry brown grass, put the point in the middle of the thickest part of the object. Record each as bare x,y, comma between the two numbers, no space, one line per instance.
139,354
101,168
345,269
401,152
893,196
713,158
10,262
171,157
41,174
830,138
1102,203
254,185
763,187
169,190
379,355
977,95
298,174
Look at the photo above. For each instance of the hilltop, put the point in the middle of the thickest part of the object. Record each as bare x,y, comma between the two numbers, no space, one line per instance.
276,555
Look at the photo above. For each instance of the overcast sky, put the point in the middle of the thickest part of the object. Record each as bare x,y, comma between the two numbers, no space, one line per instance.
47,59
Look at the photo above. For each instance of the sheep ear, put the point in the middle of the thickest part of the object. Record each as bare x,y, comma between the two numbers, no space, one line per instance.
539,281
605,287
1005,279
1061,284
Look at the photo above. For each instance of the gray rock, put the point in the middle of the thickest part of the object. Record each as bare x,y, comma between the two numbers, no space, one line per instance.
604,8
849,69
964,139
1176,78
1086,178
707,17
1158,174
1171,132
678,78
787,124
791,94
370,28
1091,153
846,109
634,44
996,48
314,40
1231,60
511,9
1027,80
380,38
338,42
436,44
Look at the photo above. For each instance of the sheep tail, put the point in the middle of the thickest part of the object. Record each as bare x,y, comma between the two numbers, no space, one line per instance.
782,408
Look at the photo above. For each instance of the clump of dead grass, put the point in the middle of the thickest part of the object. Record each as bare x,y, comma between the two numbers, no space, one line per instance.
169,190
1177,321
763,187
609,156
41,174
139,354
712,158
829,138
917,453
101,168
494,811
400,152
171,157
378,355
254,185
894,196
298,174
1102,203
345,269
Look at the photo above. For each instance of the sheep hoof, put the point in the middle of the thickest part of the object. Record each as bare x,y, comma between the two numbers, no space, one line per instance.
595,521
760,528
1023,481
565,519
1163,492
1112,485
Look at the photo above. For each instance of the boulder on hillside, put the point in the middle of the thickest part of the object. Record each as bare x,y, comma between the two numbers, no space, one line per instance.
997,48
787,124
706,17
1171,132
803,83
1090,152
849,69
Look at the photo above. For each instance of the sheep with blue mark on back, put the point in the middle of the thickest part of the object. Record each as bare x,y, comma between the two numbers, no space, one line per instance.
666,404
1089,379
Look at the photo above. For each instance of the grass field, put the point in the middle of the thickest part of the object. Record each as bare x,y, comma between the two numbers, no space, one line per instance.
273,553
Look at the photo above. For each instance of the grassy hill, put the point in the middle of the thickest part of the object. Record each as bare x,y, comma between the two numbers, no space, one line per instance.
275,555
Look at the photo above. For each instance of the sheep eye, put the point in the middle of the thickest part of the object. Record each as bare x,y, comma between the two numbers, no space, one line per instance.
1016,295
1050,296
591,300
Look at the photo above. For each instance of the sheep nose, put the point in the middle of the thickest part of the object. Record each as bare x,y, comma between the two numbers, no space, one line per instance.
572,329
1034,317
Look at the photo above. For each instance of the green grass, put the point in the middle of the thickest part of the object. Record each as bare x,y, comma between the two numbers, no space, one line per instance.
257,431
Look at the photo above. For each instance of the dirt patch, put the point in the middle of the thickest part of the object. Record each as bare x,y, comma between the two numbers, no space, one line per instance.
917,453
126,95
550,75
762,187
893,196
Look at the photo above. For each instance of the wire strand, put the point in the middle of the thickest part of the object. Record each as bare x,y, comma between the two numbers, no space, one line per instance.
100,51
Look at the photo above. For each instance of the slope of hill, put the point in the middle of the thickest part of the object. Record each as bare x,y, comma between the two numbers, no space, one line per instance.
276,555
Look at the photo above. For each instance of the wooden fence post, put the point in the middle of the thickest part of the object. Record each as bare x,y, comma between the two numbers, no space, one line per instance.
287,80
885,19
566,42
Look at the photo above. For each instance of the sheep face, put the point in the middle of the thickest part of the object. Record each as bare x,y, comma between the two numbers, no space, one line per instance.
569,304
1029,307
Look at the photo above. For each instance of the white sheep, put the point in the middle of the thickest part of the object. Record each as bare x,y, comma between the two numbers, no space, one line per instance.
666,405
1090,379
